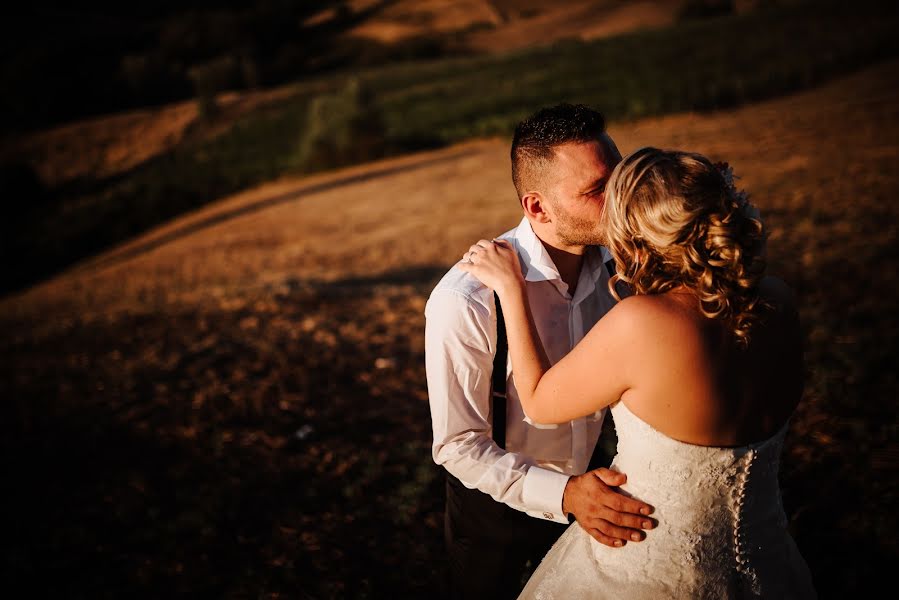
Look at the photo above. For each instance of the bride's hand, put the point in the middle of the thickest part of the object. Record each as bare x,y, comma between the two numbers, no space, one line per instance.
495,263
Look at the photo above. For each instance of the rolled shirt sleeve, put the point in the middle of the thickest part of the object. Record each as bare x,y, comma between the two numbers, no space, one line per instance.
460,341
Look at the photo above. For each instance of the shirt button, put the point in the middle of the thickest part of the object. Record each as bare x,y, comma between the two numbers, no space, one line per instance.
548,515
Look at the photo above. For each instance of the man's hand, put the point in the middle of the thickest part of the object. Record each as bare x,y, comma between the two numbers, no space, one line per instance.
603,511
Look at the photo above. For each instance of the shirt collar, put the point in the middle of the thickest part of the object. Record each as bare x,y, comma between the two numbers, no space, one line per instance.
540,267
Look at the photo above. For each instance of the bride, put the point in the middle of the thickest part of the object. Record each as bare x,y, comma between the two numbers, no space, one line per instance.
702,368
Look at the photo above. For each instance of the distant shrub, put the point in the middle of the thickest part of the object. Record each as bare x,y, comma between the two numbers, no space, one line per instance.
341,128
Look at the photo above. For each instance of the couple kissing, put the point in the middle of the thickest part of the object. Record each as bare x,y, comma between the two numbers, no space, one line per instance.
634,286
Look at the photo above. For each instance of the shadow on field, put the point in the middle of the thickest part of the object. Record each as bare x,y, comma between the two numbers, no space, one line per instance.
228,452
277,444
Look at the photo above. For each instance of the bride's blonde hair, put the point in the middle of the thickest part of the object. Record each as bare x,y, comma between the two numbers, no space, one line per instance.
675,219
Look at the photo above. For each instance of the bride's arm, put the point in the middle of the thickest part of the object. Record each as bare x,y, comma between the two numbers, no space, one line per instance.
588,378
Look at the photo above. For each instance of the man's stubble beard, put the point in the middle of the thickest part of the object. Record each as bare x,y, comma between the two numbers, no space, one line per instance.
575,231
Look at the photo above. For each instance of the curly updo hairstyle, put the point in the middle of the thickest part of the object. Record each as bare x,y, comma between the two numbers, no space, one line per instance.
675,219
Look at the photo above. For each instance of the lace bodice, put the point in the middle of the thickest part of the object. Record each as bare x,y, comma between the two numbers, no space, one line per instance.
721,533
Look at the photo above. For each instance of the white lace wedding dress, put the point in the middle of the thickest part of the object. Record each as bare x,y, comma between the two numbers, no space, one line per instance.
721,533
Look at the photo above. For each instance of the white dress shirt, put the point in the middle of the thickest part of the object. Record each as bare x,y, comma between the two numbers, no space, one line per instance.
530,474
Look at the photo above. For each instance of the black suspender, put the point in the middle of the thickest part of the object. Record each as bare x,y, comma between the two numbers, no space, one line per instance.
498,390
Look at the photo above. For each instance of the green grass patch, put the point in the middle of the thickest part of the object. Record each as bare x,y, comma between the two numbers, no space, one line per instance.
699,65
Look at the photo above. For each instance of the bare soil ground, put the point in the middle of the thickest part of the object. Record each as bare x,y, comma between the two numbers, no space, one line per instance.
234,404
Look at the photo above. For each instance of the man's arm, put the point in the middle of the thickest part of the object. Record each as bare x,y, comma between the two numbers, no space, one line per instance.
460,339
593,498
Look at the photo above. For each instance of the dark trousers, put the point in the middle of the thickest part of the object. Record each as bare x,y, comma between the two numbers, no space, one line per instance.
492,549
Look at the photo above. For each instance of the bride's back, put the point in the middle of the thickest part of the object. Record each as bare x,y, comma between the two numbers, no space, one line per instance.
693,383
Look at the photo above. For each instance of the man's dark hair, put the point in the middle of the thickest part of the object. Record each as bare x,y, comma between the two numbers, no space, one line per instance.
536,137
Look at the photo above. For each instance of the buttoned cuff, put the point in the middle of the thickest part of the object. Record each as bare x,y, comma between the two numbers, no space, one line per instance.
542,494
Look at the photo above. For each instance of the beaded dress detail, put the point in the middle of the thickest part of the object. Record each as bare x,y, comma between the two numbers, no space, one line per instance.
722,532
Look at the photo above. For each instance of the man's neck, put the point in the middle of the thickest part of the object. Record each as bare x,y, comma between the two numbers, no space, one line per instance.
569,262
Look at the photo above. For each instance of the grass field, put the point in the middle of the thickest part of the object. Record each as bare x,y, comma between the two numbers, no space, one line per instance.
695,65
233,404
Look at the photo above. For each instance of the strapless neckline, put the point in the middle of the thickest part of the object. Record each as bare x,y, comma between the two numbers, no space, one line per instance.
721,530
620,408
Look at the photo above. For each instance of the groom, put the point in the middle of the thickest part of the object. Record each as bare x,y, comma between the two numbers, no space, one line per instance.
513,485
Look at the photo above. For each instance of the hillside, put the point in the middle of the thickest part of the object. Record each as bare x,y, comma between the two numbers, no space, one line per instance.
78,190
504,25
233,404
104,146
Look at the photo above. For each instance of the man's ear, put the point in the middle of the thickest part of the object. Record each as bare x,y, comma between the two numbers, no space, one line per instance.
535,207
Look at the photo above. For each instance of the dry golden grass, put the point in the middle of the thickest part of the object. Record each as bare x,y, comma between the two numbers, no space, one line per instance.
425,209
501,26
106,146
402,20
109,145
263,356
577,20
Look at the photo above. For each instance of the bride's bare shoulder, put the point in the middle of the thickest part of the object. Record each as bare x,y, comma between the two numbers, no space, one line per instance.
633,308
648,305
649,313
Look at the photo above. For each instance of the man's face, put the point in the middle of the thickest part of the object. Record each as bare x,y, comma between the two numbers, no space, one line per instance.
575,187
